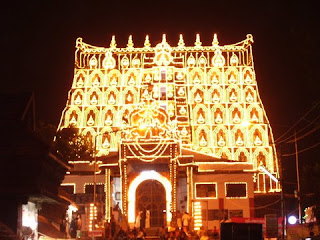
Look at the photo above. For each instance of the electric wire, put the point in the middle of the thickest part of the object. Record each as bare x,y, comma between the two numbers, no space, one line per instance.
294,125
301,151
302,129
304,135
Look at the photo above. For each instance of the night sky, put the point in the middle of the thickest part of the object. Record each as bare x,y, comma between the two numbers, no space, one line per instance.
38,44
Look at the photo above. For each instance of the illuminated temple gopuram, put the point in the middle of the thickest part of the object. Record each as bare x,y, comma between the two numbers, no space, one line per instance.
176,128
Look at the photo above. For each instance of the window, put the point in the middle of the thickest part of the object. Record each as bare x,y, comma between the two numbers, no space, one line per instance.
163,93
236,213
163,75
99,189
214,214
236,190
68,189
206,190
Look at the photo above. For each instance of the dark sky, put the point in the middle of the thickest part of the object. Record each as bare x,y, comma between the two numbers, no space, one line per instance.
38,43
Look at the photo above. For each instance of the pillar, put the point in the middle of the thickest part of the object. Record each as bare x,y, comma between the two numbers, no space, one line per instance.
190,190
173,181
107,190
124,183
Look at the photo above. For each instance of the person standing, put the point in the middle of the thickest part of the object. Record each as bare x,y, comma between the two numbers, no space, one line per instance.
79,225
113,226
143,219
148,218
179,219
138,218
185,221
215,233
73,228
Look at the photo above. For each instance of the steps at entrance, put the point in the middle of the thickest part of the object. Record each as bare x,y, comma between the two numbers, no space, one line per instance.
152,233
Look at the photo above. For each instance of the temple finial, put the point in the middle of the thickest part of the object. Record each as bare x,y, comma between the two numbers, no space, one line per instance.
130,42
181,42
164,40
113,43
215,41
250,38
147,42
198,42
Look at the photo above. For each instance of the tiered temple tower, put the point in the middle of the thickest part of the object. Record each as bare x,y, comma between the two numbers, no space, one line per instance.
183,107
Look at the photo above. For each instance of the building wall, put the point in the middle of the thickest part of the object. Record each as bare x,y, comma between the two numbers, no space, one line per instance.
79,181
221,202
182,194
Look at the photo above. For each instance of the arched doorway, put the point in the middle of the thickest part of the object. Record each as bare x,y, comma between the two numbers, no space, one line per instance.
151,195
143,176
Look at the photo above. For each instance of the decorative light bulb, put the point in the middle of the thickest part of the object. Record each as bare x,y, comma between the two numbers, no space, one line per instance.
78,100
80,82
181,91
233,97
257,141
236,118
96,82
111,99
90,121
148,78
129,98
221,142
218,119
201,119
214,79
196,80
248,79
94,100
106,143
184,131
180,76
232,79
198,98
182,110
93,61
131,80
239,141
113,81
215,98
73,120
108,121
249,97
203,142
191,61
254,118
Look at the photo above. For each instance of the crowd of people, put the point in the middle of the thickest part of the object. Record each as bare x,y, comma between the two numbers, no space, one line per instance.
118,228
180,229
166,234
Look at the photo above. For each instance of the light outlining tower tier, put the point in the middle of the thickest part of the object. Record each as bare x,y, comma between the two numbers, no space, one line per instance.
188,113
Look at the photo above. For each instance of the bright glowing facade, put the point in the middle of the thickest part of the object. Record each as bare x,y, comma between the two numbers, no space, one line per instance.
183,112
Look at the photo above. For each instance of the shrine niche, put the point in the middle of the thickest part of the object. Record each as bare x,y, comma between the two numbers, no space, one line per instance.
214,76
79,81
218,116
77,97
232,75
248,76
113,78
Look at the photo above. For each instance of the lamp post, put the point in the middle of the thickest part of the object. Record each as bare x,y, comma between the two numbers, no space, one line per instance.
94,172
298,176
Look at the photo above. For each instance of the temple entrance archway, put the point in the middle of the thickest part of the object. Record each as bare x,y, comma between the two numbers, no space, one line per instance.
150,195
133,188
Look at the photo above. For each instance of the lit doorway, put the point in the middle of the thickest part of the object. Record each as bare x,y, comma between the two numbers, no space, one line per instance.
151,195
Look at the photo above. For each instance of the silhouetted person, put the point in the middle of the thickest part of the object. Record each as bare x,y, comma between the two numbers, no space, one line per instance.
143,219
